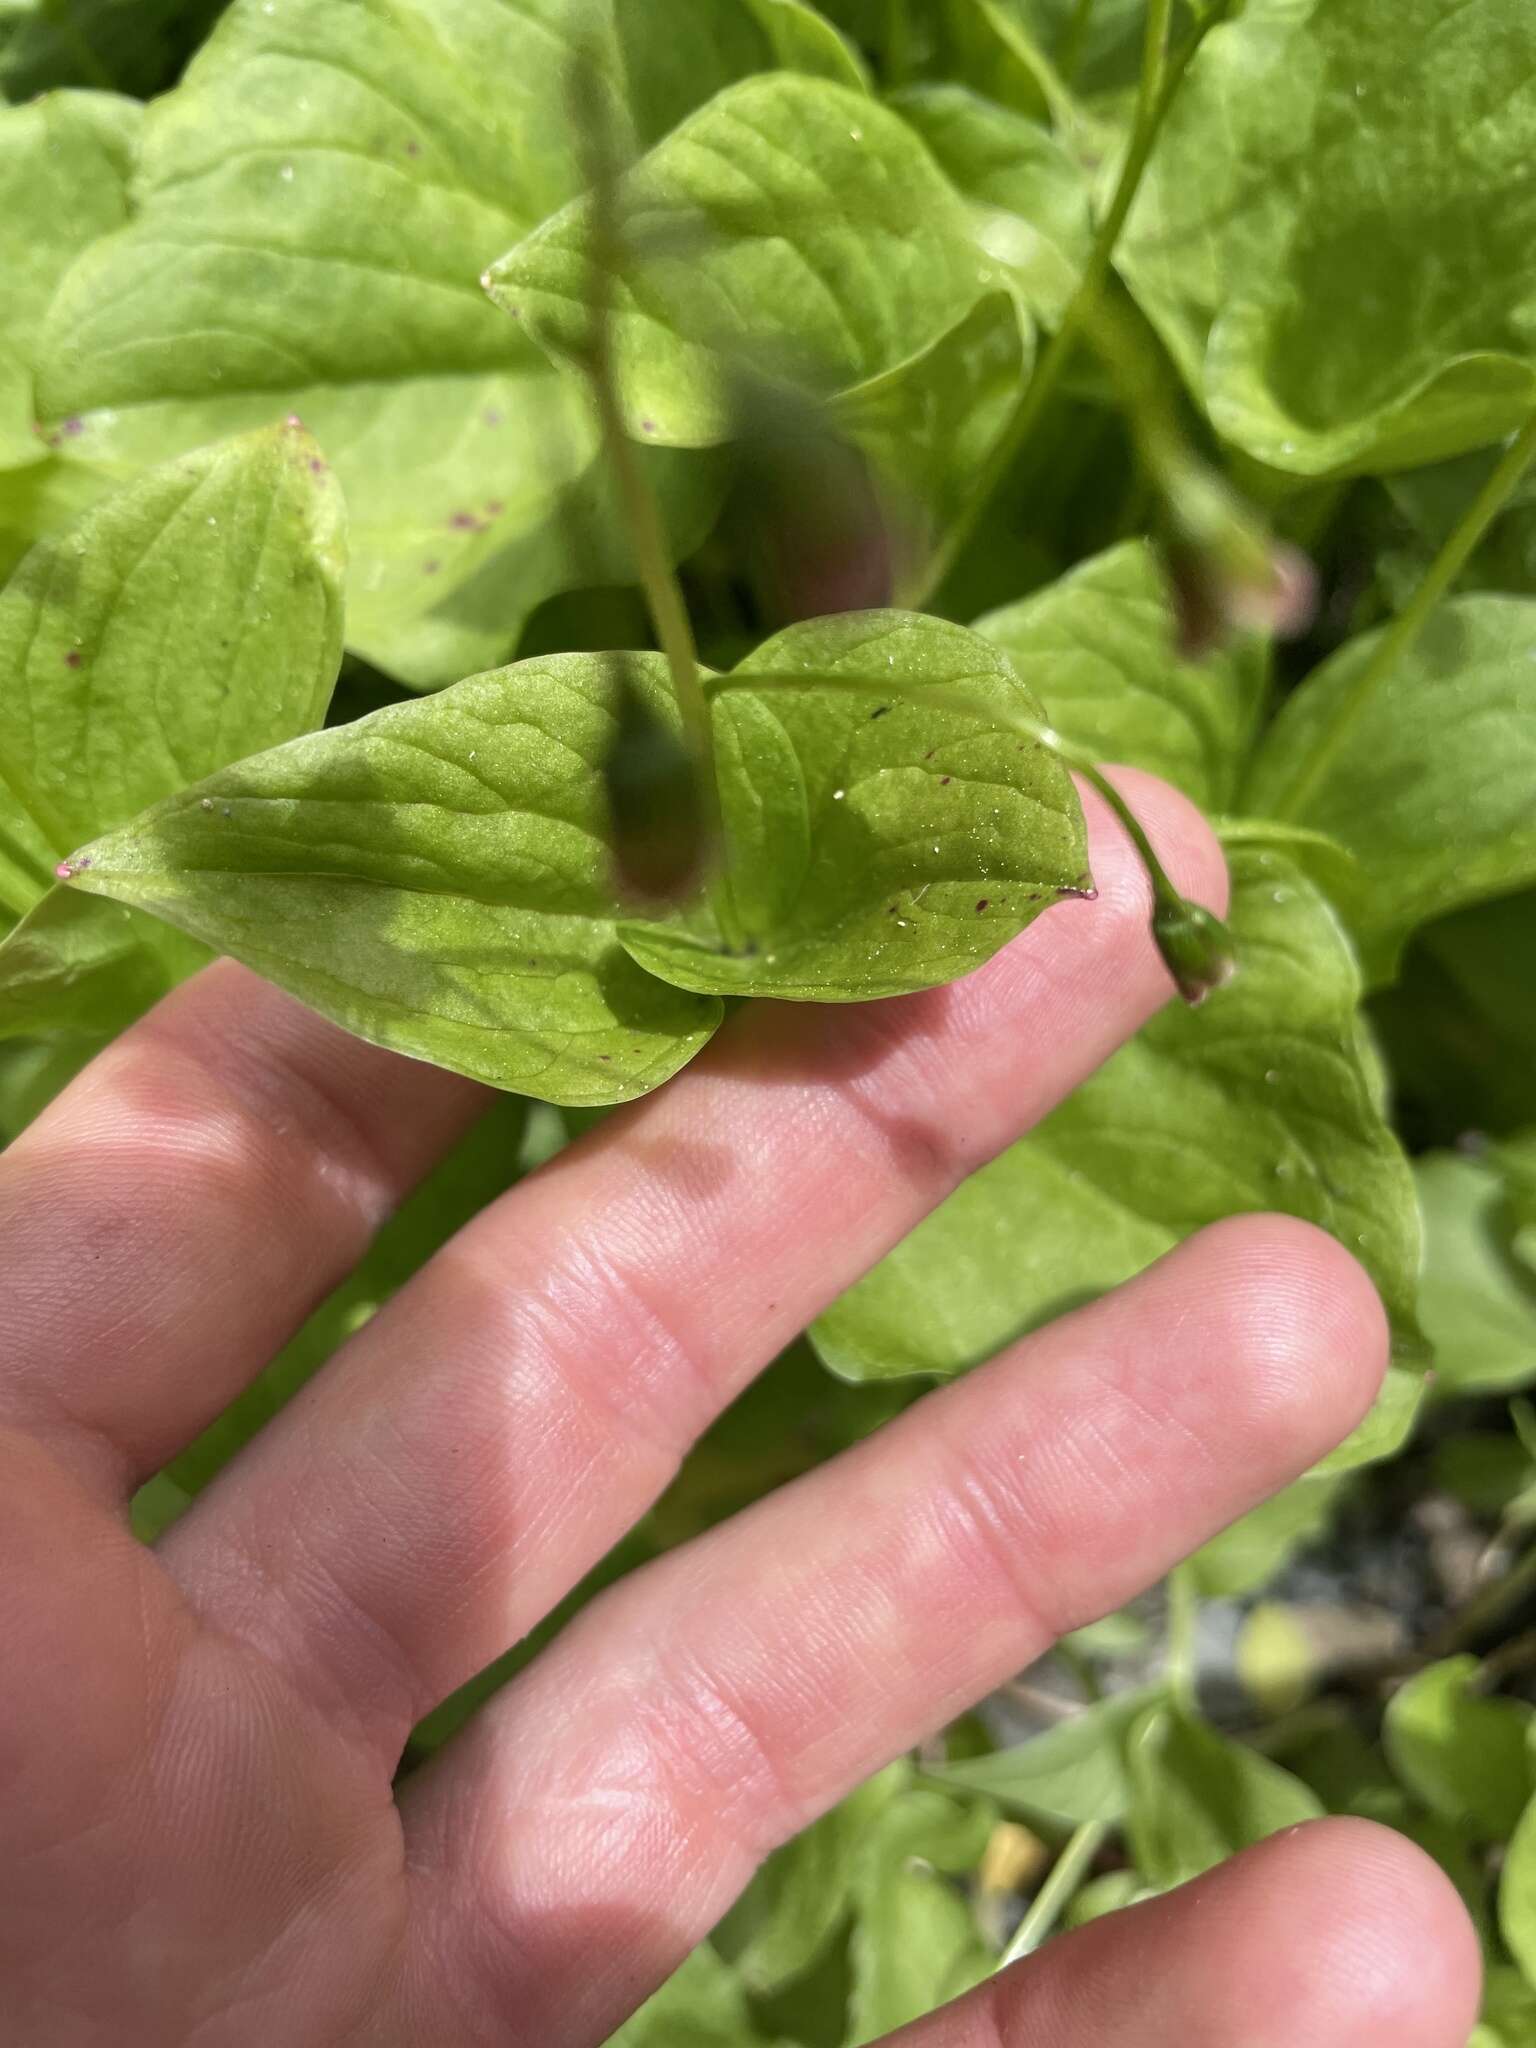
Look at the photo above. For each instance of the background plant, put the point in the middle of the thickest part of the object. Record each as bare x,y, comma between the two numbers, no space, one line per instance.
1063,325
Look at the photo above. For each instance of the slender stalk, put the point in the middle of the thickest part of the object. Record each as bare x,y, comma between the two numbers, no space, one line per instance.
1160,79
1180,1664
1468,1623
642,515
1410,622
1058,1891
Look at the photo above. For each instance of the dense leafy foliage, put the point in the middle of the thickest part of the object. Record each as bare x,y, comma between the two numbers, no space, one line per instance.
967,367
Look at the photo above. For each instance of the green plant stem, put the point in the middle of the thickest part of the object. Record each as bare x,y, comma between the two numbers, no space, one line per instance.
1468,1623
1410,622
1058,1891
642,515
1179,1666
1160,79
945,697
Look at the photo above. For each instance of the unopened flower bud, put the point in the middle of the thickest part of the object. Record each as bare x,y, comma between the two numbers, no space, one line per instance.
658,830
1226,572
1196,947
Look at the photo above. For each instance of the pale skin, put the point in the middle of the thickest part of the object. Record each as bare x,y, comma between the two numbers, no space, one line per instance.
199,1843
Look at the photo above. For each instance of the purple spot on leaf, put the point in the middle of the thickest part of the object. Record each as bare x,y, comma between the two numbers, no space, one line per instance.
647,426
492,417
983,903
73,658
74,425
495,508
430,568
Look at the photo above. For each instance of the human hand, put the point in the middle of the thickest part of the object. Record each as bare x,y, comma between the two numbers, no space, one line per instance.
199,1840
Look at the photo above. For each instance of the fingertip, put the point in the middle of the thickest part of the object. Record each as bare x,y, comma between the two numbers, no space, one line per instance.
1304,1314
1361,1929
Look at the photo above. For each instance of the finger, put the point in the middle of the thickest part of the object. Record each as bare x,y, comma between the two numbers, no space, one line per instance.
1337,1935
170,1220
715,1702
490,1435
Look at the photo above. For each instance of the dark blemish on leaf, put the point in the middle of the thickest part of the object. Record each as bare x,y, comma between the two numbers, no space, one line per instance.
73,658
1088,895
491,416
465,522
74,425
944,780
533,963
495,508
82,862
430,568
605,1055
880,711
316,465
930,753
890,910
985,900
647,426
413,149
227,811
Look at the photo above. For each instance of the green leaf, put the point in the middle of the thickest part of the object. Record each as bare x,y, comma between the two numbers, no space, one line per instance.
876,845
1477,1303
313,206
1429,786
804,40
1464,1756
702,2005
1459,1025
1246,1556
1074,1772
434,877
1197,1798
790,226
1509,2010
64,166
1263,1099
80,964
1332,234
785,1920
915,1943
1098,647
1030,211
1517,1894
192,617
